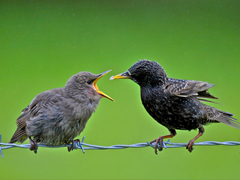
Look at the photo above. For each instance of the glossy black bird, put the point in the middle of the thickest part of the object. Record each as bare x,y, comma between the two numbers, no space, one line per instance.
175,103
57,116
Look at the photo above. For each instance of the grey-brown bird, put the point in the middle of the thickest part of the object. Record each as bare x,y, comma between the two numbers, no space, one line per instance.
57,116
175,103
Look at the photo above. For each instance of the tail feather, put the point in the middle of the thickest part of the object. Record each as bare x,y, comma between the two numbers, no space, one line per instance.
222,116
20,134
228,120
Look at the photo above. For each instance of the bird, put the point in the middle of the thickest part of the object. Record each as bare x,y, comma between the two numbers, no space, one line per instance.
175,103
57,116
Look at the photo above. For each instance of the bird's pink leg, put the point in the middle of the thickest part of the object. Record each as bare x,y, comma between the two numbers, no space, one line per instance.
33,145
160,140
189,146
72,146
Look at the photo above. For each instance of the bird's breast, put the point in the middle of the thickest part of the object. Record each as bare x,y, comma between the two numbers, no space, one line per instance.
83,111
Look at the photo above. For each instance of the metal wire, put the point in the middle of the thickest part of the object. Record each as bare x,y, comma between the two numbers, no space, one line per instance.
84,146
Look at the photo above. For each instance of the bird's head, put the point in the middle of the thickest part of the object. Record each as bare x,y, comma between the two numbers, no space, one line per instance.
83,85
144,73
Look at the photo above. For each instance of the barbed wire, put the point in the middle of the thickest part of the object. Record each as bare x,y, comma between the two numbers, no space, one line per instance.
84,146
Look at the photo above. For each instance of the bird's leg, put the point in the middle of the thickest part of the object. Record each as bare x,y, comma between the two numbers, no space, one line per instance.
160,140
189,146
33,145
72,146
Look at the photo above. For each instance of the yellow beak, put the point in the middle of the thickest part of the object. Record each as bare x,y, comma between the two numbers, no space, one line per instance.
124,75
96,88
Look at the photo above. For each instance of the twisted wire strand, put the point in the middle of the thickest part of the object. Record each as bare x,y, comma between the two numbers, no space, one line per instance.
84,146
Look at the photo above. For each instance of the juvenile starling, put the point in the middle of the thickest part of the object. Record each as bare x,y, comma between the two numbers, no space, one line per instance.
57,116
175,103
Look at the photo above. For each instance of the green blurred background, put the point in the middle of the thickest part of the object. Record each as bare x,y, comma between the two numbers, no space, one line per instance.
43,43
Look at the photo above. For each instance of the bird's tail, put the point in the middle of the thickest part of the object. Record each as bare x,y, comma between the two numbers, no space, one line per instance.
222,116
20,134
226,118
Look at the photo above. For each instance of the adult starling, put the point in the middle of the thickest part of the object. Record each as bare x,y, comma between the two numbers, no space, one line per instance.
175,103
57,116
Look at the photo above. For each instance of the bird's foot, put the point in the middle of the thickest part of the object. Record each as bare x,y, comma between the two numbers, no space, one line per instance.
160,141
72,146
189,146
33,146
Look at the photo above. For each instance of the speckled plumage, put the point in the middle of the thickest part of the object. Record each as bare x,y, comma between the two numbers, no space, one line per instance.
57,116
175,103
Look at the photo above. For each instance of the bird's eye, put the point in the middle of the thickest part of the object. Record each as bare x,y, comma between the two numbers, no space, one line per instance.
89,82
129,72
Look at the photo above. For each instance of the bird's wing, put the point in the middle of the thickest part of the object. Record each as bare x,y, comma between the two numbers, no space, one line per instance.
44,100
184,88
221,116
39,103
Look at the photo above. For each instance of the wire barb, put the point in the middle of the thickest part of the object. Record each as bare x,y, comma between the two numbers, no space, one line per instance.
1,146
84,146
77,144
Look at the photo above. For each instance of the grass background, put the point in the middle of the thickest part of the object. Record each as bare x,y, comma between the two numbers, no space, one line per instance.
43,43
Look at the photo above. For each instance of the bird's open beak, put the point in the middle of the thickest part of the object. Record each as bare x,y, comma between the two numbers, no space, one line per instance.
96,88
125,75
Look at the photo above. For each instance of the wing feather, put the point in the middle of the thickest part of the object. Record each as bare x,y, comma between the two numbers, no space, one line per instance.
41,101
185,88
